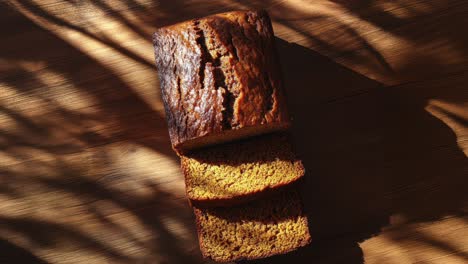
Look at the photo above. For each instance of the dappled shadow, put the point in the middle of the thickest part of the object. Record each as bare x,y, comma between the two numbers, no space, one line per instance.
108,211
68,123
435,22
337,39
46,234
35,9
127,115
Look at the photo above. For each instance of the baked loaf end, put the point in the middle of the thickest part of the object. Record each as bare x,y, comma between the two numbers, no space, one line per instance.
256,230
220,79
236,172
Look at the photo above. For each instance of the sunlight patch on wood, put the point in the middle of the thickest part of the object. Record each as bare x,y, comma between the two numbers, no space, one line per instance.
16,100
365,44
12,64
69,97
409,243
454,116
402,9
139,162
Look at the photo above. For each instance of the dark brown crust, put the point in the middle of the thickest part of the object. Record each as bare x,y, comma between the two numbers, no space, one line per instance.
218,74
198,212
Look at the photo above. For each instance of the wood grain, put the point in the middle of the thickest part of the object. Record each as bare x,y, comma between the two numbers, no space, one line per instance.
378,91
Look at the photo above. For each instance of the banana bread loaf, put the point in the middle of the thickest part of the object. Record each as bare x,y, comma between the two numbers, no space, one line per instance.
219,78
236,172
256,230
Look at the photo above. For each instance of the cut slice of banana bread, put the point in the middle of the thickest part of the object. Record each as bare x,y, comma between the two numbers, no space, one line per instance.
258,229
239,171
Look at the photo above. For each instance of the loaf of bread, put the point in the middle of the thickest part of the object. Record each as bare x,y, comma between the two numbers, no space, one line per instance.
236,172
219,78
226,113
256,230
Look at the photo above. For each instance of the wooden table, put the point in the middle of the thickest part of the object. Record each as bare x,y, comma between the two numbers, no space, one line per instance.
379,95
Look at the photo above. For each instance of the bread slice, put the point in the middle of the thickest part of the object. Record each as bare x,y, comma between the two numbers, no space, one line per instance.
235,172
220,79
255,230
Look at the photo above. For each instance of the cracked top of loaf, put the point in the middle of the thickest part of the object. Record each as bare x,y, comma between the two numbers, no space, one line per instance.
220,79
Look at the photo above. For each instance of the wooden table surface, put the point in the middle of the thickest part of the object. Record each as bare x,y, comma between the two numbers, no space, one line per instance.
379,95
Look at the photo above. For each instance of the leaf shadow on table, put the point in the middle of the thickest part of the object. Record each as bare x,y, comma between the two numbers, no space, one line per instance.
116,214
60,197
373,154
